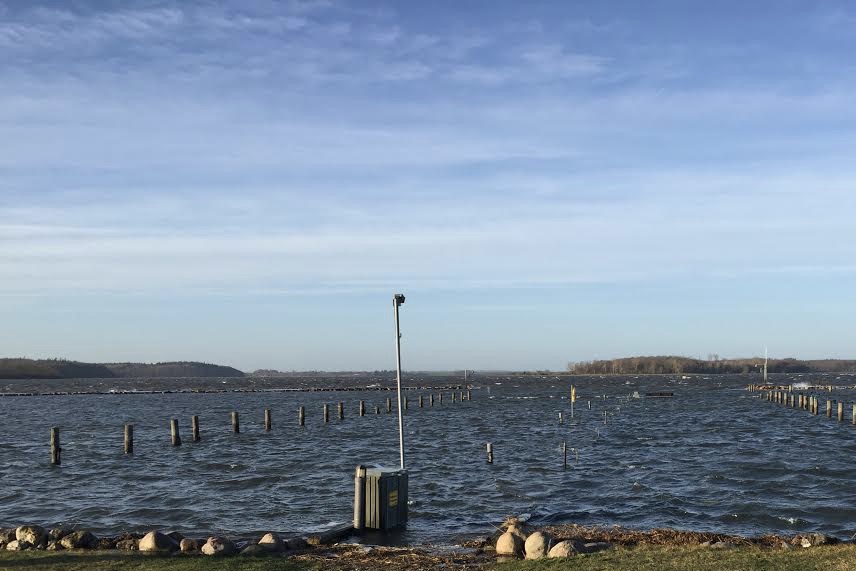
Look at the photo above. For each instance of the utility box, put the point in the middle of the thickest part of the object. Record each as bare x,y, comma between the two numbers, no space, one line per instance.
380,498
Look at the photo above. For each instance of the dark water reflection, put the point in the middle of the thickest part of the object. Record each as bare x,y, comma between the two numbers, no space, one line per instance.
712,458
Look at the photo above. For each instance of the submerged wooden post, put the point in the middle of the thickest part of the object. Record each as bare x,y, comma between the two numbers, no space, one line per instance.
129,439
362,408
267,420
440,397
489,453
801,400
828,408
236,426
194,429
340,411
420,401
360,497
854,414
55,447
326,413
431,399
840,411
469,395
565,455
388,404
453,396
589,405
406,404
301,416
377,409
173,430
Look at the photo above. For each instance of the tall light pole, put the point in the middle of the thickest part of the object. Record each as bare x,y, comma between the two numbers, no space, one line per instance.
397,300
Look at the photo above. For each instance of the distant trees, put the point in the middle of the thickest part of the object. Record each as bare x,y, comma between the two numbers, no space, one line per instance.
674,365
64,369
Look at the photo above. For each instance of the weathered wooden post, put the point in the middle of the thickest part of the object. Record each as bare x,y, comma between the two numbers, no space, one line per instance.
828,408
589,405
453,395
801,400
440,397
461,396
489,453
561,419
854,414
388,404
129,439
236,426
840,411
340,411
362,408
469,395
301,416
431,399
268,422
565,455
420,401
55,447
173,430
360,497
194,429
326,413
406,403
377,409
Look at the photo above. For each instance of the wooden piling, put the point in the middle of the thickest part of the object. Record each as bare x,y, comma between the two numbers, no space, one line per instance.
489,453
129,439
453,396
420,401
173,431
268,422
561,419
854,414
301,416
326,413
565,455
801,400
388,404
362,408
360,497
406,403
236,425
431,400
56,450
469,395
828,408
340,410
440,398
377,409
194,429
461,396
589,405
840,411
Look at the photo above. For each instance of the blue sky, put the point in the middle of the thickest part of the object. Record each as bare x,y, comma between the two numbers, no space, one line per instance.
249,183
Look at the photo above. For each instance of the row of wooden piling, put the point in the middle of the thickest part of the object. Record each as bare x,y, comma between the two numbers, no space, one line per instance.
175,435
811,403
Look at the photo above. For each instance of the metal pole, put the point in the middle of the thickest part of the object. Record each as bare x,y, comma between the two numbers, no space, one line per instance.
397,300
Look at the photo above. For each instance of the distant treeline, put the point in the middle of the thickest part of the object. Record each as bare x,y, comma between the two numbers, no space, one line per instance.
668,365
64,369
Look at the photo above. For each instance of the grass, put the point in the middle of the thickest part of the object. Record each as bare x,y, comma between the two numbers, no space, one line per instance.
659,558
112,561
644,558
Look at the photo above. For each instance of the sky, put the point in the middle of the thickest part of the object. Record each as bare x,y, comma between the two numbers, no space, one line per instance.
249,183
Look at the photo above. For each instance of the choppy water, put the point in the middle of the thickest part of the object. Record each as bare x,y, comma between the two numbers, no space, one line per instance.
714,458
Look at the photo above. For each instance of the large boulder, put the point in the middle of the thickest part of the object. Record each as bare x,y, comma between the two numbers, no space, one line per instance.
256,550
218,546
537,545
272,543
18,545
188,545
128,544
32,534
563,549
509,545
157,542
79,540
58,533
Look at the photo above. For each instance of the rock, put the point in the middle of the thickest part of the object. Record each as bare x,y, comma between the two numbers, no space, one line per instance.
595,546
175,536
563,549
7,535
58,533
79,540
786,545
822,539
54,546
722,545
805,542
106,543
32,534
509,545
188,545
257,550
272,542
128,544
296,543
537,545
18,545
218,546
155,541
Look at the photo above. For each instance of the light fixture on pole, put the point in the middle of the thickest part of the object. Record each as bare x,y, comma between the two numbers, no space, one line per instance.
397,300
